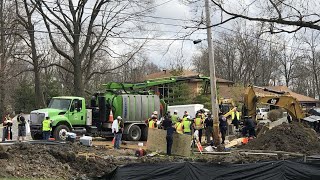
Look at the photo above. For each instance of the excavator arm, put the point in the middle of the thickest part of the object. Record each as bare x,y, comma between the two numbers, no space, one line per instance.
152,82
280,99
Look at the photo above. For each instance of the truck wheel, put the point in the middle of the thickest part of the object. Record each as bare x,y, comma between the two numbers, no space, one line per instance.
60,132
36,136
134,133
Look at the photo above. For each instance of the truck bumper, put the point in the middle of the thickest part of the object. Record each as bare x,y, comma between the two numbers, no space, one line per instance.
36,129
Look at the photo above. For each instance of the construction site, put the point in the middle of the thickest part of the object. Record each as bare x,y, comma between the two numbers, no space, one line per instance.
166,89
65,156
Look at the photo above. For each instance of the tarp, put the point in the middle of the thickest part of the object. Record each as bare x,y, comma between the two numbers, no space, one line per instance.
204,171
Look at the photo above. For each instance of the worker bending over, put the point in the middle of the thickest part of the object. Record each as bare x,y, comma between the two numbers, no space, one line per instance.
249,125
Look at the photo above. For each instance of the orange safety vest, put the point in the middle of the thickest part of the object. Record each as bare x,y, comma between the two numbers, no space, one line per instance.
198,123
179,128
151,124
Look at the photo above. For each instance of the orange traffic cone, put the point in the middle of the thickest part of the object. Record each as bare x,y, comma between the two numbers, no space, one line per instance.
200,148
113,140
9,137
111,116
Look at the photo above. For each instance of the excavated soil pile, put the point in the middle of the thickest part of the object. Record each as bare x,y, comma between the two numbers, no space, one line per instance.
53,161
287,137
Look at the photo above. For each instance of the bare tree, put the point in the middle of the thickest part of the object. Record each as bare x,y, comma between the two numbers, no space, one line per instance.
278,13
8,42
24,18
313,59
84,35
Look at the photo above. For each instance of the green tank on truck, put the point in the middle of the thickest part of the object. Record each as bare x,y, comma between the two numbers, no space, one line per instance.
71,114
134,102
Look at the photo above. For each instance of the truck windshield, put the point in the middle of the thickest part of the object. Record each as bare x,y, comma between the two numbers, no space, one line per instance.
62,104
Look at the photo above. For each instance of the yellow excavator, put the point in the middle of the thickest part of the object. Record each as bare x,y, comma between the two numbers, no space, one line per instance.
226,104
277,98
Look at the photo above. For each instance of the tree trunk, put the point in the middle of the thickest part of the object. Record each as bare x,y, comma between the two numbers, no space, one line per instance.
77,75
36,71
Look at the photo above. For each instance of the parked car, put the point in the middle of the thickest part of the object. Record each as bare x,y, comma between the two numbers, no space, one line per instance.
262,113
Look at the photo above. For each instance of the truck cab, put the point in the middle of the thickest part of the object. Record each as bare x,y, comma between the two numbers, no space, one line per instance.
66,113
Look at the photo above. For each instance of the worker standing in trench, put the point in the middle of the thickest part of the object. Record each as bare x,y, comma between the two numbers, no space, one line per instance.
208,125
169,138
223,126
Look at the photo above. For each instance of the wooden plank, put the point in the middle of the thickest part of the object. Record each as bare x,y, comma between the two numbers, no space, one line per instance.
268,151
214,153
234,142
157,142
256,153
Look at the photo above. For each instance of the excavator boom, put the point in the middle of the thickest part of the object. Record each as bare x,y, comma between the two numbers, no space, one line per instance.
283,100
152,82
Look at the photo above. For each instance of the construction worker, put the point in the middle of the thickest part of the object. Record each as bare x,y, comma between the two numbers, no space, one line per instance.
7,128
249,125
235,116
153,122
202,111
175,117
223,126
208,125
46,128
169,138
21,126
198,125
185,114
117,130
167,121
187,125
185,118
179,126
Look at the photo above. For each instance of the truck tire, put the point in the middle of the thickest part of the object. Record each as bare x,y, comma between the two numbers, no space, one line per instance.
60,133
36,136
134,133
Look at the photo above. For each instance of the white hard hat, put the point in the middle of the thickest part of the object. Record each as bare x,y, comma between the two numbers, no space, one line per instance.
155,112
119,117
175,111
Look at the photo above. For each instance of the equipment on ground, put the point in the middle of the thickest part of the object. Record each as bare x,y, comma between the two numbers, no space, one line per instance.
134,102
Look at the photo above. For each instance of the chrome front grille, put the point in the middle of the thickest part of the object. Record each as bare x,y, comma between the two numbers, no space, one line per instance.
36,118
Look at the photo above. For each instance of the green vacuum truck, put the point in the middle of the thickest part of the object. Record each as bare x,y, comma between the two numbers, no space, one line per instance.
133,102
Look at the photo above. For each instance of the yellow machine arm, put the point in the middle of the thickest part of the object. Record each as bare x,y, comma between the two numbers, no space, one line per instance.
280,99
229,113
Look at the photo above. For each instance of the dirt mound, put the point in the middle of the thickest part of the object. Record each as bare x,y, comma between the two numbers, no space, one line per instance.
287,137
53,161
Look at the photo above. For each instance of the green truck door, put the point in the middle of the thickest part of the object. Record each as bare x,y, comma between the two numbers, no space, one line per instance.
77,115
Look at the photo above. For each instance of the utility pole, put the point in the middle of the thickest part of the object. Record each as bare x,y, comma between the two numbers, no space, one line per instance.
2,60
214,101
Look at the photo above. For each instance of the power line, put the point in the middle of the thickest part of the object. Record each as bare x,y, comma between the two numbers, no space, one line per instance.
114,37
135,14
